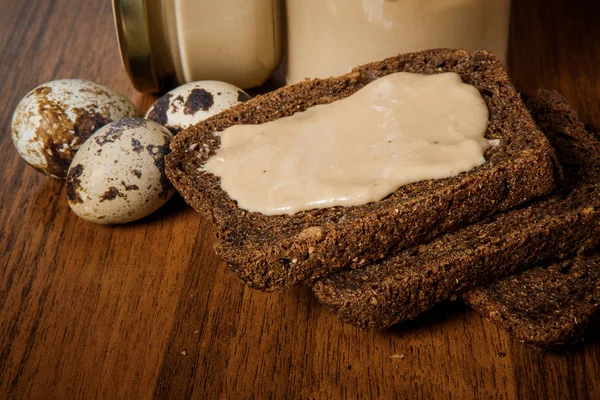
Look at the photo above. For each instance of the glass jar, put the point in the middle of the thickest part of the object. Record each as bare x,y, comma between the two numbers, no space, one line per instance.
165,43
329,38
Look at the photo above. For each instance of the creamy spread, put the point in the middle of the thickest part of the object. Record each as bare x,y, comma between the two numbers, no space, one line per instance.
399,129
328,38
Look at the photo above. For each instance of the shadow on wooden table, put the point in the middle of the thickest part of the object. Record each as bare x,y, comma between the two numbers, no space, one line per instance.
439,314
447,310
174,206
592,332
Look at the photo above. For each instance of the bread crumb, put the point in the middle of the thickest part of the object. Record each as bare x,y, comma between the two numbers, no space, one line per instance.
184,352
311,233
400,356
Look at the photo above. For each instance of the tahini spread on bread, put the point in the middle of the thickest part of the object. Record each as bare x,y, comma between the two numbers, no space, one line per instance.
399,129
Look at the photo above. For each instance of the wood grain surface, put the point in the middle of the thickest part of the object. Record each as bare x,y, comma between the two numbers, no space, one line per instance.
147,310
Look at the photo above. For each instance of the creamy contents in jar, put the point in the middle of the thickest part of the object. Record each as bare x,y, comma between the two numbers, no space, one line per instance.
329,38
235,41
398,129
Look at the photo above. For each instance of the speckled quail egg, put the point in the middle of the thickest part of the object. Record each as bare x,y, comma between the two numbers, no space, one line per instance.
54,119
193,102
118,174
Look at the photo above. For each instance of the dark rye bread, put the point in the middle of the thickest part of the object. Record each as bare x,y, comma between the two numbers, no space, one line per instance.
551,304
275,252
546,306
402,286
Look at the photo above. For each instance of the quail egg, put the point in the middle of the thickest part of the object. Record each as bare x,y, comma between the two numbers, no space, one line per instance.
193,102
54,119
118,174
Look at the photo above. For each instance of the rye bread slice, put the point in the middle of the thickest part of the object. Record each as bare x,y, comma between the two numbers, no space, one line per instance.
547,306
412,281
275,252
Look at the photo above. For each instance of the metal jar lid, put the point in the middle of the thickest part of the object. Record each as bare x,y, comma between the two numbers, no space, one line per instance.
144,53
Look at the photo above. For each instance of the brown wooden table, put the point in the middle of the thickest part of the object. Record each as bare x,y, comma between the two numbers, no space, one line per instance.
147,309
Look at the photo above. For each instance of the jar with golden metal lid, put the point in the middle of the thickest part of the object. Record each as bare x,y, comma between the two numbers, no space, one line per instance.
165,43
